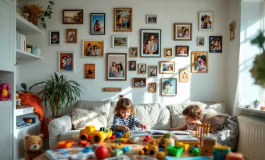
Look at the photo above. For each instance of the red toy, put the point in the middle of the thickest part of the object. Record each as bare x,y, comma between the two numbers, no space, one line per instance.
4,92
83,143
147,138
113,136
101,152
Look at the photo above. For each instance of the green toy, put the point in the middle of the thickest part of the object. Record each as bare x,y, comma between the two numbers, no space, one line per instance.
175,151
196,151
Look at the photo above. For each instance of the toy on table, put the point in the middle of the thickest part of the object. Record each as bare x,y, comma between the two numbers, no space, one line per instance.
234,156
65,144
33,146
83,143
133,139
175,151
126,149
87,149
5,94
91,134
207,145
160,155
196,151
126,134
118,134
69,153
101,152
183,145
166,140
219,152
149,149
124,140
118,141
113,136
120,146
116,152
147,138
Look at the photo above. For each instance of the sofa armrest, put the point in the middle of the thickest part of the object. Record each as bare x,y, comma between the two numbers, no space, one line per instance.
56,127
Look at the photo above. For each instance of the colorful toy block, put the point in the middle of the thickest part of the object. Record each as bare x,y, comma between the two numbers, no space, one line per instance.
118,134
183,145
196,151
160,155
175,151
126,135
234,156
65,144
126,149
116,152
219,152
124,140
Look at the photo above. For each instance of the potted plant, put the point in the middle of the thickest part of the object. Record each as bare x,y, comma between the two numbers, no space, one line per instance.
256,103
29,48
58,94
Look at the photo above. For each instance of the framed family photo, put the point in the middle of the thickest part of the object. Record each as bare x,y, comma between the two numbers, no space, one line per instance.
92,48
139,82
150,42
151,19
133,52
89,71
120,42
184,75
116,67
182,51
167,67
73,16
132,65
200,41
97,23
141,68
54,38
183,31
199,62
215,44
169,86
71,35
152,87
66,61
123,19
152,71
168,52
205,21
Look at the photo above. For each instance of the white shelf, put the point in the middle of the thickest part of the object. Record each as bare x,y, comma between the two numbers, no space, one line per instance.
24,26
26,55
23,111
253,110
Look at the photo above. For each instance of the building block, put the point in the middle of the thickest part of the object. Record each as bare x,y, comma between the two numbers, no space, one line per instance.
196,151
65,144
118,134
126,149
116,152
175,151
234,156
160,155
219,152
124,140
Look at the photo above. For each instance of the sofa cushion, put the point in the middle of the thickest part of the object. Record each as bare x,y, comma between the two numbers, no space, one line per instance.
111,113
215,120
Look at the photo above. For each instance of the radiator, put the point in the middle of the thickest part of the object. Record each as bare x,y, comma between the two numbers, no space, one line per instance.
251,138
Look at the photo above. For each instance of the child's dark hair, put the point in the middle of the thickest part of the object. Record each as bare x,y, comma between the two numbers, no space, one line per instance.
124,104
193,111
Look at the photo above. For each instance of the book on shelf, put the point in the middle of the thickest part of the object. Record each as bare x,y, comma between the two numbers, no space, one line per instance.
76,153
21,42
157,132
186,138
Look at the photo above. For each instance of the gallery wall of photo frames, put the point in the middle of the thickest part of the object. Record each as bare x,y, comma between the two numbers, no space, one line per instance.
117,64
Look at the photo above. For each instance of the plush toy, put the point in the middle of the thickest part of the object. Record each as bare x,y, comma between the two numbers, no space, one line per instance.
4,92
33,146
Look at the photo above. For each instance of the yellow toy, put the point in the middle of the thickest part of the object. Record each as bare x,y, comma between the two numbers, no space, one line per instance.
149,149
91,134
184,146
124,140
160,155
120,146
207,146
126,135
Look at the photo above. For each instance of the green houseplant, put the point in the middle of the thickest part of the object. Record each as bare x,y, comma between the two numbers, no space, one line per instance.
58,93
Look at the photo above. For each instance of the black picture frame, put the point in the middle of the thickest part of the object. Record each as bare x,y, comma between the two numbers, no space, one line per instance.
94,17
145,49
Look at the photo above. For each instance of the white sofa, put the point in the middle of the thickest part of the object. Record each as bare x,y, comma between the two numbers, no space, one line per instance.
155,116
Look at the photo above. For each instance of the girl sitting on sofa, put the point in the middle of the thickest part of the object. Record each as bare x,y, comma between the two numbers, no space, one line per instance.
124,119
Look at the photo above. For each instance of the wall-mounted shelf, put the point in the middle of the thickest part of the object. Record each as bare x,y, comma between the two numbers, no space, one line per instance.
23,111
24,26
26,55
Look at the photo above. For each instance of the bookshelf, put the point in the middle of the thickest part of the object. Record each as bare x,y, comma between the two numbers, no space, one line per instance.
26,55
24,111
26,27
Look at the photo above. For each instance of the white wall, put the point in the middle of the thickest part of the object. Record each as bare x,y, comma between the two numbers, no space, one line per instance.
211,86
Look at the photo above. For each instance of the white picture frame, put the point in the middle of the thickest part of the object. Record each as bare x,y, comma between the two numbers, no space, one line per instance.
120,41
62,65
54,38
202,20
151,19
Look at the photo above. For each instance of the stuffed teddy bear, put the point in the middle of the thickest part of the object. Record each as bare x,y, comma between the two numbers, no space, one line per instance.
33,146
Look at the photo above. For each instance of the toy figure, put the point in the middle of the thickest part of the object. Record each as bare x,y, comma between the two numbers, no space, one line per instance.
4,92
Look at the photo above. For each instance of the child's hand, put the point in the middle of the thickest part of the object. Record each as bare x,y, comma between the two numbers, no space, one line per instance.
123,128
142,126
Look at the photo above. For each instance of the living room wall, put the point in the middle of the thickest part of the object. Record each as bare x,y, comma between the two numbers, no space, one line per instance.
209,86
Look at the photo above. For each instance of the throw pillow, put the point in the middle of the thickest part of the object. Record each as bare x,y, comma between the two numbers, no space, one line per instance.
82,118
215,120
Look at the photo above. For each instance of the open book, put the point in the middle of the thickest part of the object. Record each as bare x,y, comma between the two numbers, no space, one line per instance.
186,138
156,132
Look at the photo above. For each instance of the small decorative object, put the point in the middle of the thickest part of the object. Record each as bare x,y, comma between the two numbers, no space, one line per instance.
116,67
152,71
184,75
33,146
5,94
54,38
139,82
152,87
38,52
89,71
123,20
182,51
232,27
92,48
133,52
199,62
34,50
66,61
168,52
141,68
167,67
151,19
132,65
205,21
169,86
71,36
73,16
150,42
120,42
29,48
25,15
183,31
200,41
97,23
101,152
112,89
215,44
256,103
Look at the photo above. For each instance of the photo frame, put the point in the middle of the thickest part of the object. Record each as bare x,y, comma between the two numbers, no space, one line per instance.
200,41
205,21
199,62
152,71
151,19
150,43
168,52
182,31
90,71
232,27
132,66
167,67
97,23
92,48
73,16
152,87
66,61
71,35
120,42
116,67
54,38
184,75
133,52
120,16
139,82
141,68
215,44
169,86
182,51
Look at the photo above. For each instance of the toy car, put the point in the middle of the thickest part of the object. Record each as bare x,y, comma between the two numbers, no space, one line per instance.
91,134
